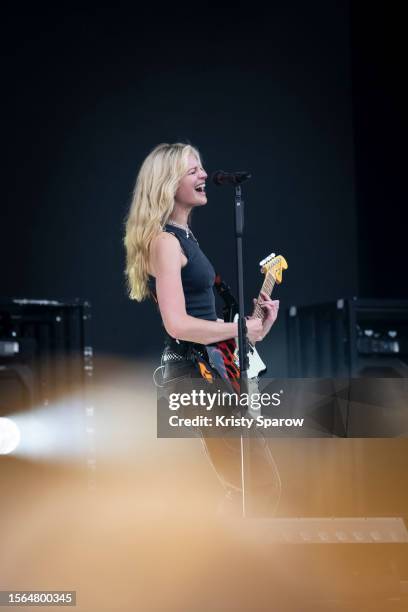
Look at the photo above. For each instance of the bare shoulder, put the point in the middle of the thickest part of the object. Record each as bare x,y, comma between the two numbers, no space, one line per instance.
164,240
164,252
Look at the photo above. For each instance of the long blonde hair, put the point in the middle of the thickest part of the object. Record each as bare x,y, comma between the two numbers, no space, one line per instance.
150,209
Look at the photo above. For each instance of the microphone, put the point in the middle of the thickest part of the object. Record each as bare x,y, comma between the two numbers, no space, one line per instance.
232,178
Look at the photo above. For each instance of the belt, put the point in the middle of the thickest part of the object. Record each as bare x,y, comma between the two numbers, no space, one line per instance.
171,357
180,350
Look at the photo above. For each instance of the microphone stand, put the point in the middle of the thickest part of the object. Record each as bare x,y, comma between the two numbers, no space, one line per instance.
242,328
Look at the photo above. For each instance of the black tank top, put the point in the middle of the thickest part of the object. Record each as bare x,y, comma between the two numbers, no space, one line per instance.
197,277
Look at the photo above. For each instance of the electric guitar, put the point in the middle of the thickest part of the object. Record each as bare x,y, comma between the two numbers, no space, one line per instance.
223,356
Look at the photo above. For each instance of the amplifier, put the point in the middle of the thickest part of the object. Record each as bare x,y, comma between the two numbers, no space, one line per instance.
44,351
348,338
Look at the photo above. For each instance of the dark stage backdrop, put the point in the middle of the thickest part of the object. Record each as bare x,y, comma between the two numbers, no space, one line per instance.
380,101
261,89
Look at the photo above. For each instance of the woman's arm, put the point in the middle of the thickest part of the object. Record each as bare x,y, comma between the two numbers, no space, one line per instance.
166,263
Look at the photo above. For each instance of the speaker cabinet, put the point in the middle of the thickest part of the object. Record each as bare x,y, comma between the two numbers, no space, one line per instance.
349,338
44,351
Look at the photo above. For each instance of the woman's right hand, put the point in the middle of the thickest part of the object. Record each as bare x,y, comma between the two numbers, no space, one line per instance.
254,329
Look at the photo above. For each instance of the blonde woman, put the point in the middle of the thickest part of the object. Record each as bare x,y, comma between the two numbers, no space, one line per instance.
160,245
164,259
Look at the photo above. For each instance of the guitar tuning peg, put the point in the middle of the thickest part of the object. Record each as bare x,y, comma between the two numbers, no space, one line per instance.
264,261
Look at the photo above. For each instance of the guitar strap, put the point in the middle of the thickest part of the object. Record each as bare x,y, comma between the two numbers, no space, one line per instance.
230,307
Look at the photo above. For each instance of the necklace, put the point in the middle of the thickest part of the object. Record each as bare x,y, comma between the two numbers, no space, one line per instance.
183,227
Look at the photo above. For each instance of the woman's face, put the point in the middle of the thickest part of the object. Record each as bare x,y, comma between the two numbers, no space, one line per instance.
191,189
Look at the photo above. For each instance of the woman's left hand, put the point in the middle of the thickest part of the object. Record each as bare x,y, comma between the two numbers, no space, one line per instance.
270,311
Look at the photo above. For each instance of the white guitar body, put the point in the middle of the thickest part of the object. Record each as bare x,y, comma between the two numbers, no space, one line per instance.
256,366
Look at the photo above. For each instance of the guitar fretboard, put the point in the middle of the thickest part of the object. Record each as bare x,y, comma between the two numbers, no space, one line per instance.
267,287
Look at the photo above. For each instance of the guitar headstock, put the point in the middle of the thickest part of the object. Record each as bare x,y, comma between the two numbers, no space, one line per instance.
274,265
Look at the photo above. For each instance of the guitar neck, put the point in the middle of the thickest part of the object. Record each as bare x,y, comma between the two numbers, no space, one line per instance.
267,287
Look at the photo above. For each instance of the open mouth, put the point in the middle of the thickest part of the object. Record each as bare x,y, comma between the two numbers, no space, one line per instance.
200,188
